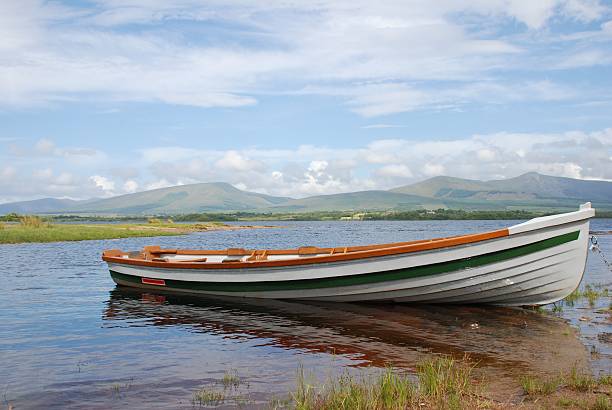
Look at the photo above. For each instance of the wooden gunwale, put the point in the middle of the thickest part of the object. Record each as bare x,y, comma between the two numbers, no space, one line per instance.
333,254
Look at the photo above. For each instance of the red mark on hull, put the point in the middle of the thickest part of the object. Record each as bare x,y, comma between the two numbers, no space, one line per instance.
149,281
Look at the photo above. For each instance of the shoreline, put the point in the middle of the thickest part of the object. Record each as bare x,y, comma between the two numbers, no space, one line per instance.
48,232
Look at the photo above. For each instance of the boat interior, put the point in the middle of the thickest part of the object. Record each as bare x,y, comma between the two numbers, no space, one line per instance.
240,255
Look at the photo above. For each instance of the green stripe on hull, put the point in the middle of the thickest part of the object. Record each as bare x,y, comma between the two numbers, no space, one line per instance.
366,278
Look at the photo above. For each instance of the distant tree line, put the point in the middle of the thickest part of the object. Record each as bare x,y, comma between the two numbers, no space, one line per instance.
391,215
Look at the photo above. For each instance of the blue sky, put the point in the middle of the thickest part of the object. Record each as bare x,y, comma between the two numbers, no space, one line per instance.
102,98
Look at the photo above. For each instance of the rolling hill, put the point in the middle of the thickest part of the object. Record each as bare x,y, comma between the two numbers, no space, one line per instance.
530,191
205,197
44,205
528,186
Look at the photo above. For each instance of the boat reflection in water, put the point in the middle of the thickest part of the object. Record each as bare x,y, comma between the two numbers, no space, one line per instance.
503,342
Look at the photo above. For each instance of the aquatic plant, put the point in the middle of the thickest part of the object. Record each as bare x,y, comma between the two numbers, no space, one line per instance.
118,388
231,379
276,403
206,397
557,308
590,292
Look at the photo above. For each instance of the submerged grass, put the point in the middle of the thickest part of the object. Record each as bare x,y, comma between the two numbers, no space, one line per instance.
229,390
592,293
207,397
441,382
231,379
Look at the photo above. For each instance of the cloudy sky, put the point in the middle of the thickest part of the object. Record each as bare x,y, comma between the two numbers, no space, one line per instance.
106,97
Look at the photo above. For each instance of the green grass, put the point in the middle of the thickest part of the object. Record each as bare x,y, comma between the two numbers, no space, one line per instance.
582,382
440,382
57,233
445,380
36,229
602,403
534,386
575,380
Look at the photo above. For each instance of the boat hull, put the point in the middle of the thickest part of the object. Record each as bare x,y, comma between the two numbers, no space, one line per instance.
533,267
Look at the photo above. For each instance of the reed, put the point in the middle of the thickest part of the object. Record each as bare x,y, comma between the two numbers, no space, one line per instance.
33,221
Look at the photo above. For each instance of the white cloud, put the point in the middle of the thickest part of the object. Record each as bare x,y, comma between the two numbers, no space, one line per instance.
130,186
234,161
382,58
162,183
486,154
395,170
311,170
431,169
47,149
104,183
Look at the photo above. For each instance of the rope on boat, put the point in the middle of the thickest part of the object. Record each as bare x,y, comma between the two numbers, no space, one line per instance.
595,248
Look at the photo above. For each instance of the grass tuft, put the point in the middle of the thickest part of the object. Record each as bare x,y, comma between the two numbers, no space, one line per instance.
602,403
207,397
231,379
580,381
445,380
441,382
533,386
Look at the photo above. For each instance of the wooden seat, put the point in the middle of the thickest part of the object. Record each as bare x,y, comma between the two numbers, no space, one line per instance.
237,252
257,256
308,250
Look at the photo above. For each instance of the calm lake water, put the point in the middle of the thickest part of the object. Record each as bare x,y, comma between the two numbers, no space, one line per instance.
70,339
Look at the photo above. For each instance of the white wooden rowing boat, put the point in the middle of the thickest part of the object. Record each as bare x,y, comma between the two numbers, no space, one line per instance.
533,263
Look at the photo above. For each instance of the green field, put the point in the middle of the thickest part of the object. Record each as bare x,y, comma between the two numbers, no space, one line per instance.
38,230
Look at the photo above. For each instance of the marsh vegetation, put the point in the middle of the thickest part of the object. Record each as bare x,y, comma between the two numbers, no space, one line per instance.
30,228
442,382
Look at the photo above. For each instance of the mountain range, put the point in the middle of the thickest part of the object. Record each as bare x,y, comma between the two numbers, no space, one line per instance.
531,191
